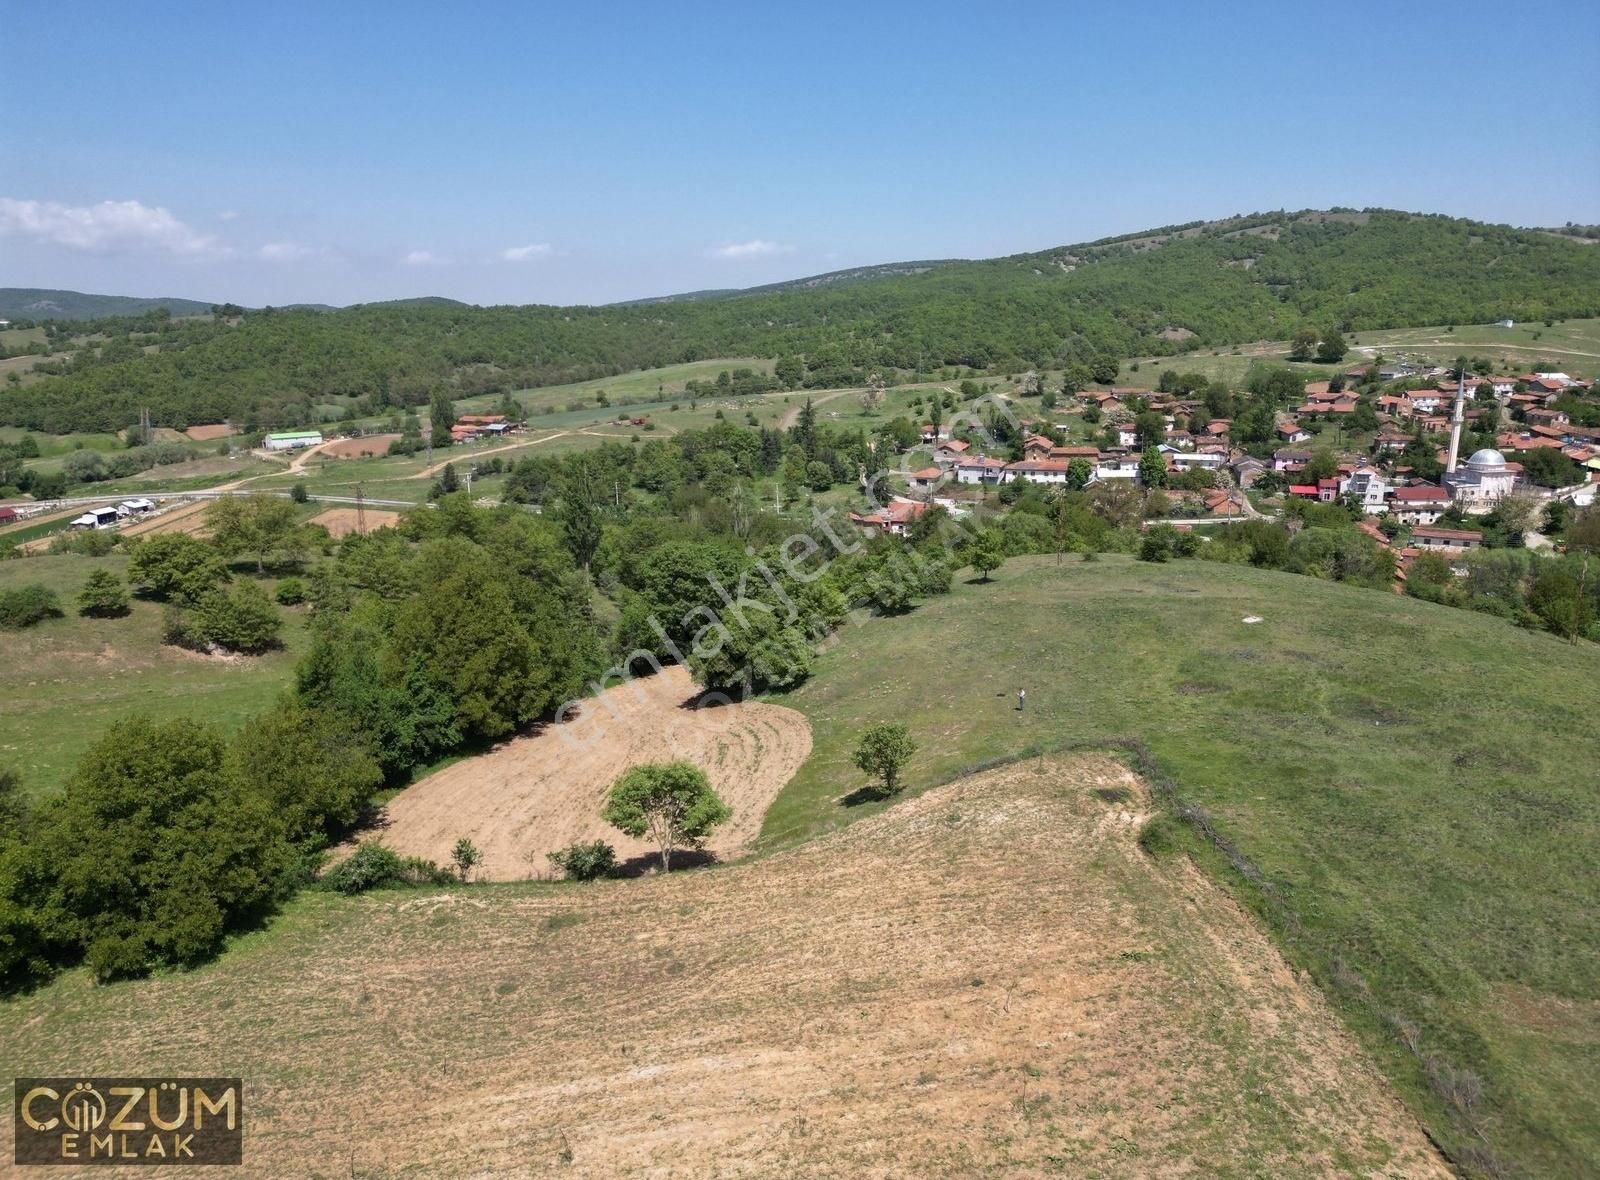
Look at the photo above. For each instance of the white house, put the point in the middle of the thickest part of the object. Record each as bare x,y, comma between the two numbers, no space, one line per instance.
1368,486
1117,467
1420,503
1040,470
1122,434
135,506
980,469
1195,460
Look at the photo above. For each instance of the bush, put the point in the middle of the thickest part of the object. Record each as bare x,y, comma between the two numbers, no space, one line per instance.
290,592
373,866
299,494
585,862
26,605
1162,837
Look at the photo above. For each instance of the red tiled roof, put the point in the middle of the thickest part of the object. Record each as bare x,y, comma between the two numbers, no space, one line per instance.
1422,494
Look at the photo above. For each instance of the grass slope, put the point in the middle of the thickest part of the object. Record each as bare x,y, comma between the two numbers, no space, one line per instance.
988,980
1416,782
64,680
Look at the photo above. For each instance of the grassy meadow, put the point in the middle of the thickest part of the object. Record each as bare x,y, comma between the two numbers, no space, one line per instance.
1411,780
64,680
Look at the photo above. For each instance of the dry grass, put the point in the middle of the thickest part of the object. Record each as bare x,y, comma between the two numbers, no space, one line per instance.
536,794
341,522
355,448
988,979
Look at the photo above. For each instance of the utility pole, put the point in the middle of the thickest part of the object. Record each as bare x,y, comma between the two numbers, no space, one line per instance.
361,512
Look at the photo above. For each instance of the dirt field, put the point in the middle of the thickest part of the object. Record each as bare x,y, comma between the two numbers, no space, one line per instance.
536,794
341,522
187,518
210,433
354,448
990,979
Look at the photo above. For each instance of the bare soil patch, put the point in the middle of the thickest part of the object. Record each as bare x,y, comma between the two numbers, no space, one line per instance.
990,979
341,522
536,794
355,448
210,433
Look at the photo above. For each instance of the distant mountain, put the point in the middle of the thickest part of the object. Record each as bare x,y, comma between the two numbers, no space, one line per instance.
1160,292
38,303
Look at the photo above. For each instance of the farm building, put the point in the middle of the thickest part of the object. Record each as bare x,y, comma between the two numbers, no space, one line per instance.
292,441
135,506
97,518
7,515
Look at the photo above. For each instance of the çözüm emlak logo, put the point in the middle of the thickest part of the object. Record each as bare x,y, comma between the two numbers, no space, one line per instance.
129,1121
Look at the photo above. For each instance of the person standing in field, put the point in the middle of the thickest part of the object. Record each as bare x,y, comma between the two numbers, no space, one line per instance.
1022,699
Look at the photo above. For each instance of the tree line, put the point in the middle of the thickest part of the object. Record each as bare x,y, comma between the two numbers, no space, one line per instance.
1077,306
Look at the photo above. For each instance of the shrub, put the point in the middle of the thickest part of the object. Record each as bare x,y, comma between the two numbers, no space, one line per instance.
585,862
299,494
24,606
373,866
465,857
1162,837
290,592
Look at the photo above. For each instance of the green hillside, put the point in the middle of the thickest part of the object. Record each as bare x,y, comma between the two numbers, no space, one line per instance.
1161,293
1409,784
39,303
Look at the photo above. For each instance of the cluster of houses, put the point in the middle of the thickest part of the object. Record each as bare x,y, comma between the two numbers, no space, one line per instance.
113,514
1378,485
469,427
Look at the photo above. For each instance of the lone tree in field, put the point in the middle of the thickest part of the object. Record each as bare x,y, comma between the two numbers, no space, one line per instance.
672,803
465,857
988,553
883,751
103,596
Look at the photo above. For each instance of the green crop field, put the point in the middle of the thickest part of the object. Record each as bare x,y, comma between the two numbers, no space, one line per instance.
1409,778
64,680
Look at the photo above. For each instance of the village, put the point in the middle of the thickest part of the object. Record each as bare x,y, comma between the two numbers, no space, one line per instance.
1205,476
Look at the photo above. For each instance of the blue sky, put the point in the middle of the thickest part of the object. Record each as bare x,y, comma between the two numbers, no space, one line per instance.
516,153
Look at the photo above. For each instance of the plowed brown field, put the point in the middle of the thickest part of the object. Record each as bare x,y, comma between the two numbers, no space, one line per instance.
536,794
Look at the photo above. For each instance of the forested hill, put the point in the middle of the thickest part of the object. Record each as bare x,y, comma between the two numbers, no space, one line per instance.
1197,286
37,303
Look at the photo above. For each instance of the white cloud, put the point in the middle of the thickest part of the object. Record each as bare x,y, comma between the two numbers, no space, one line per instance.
107,227
421,258
285,252
228,215
528,253
755,248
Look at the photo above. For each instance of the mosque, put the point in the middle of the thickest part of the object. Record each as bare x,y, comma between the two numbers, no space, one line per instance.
1486,478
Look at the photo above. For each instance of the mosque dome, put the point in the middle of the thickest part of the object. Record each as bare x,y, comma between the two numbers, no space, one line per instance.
1487,459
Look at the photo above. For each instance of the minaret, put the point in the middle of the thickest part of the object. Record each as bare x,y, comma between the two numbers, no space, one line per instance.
1456,418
